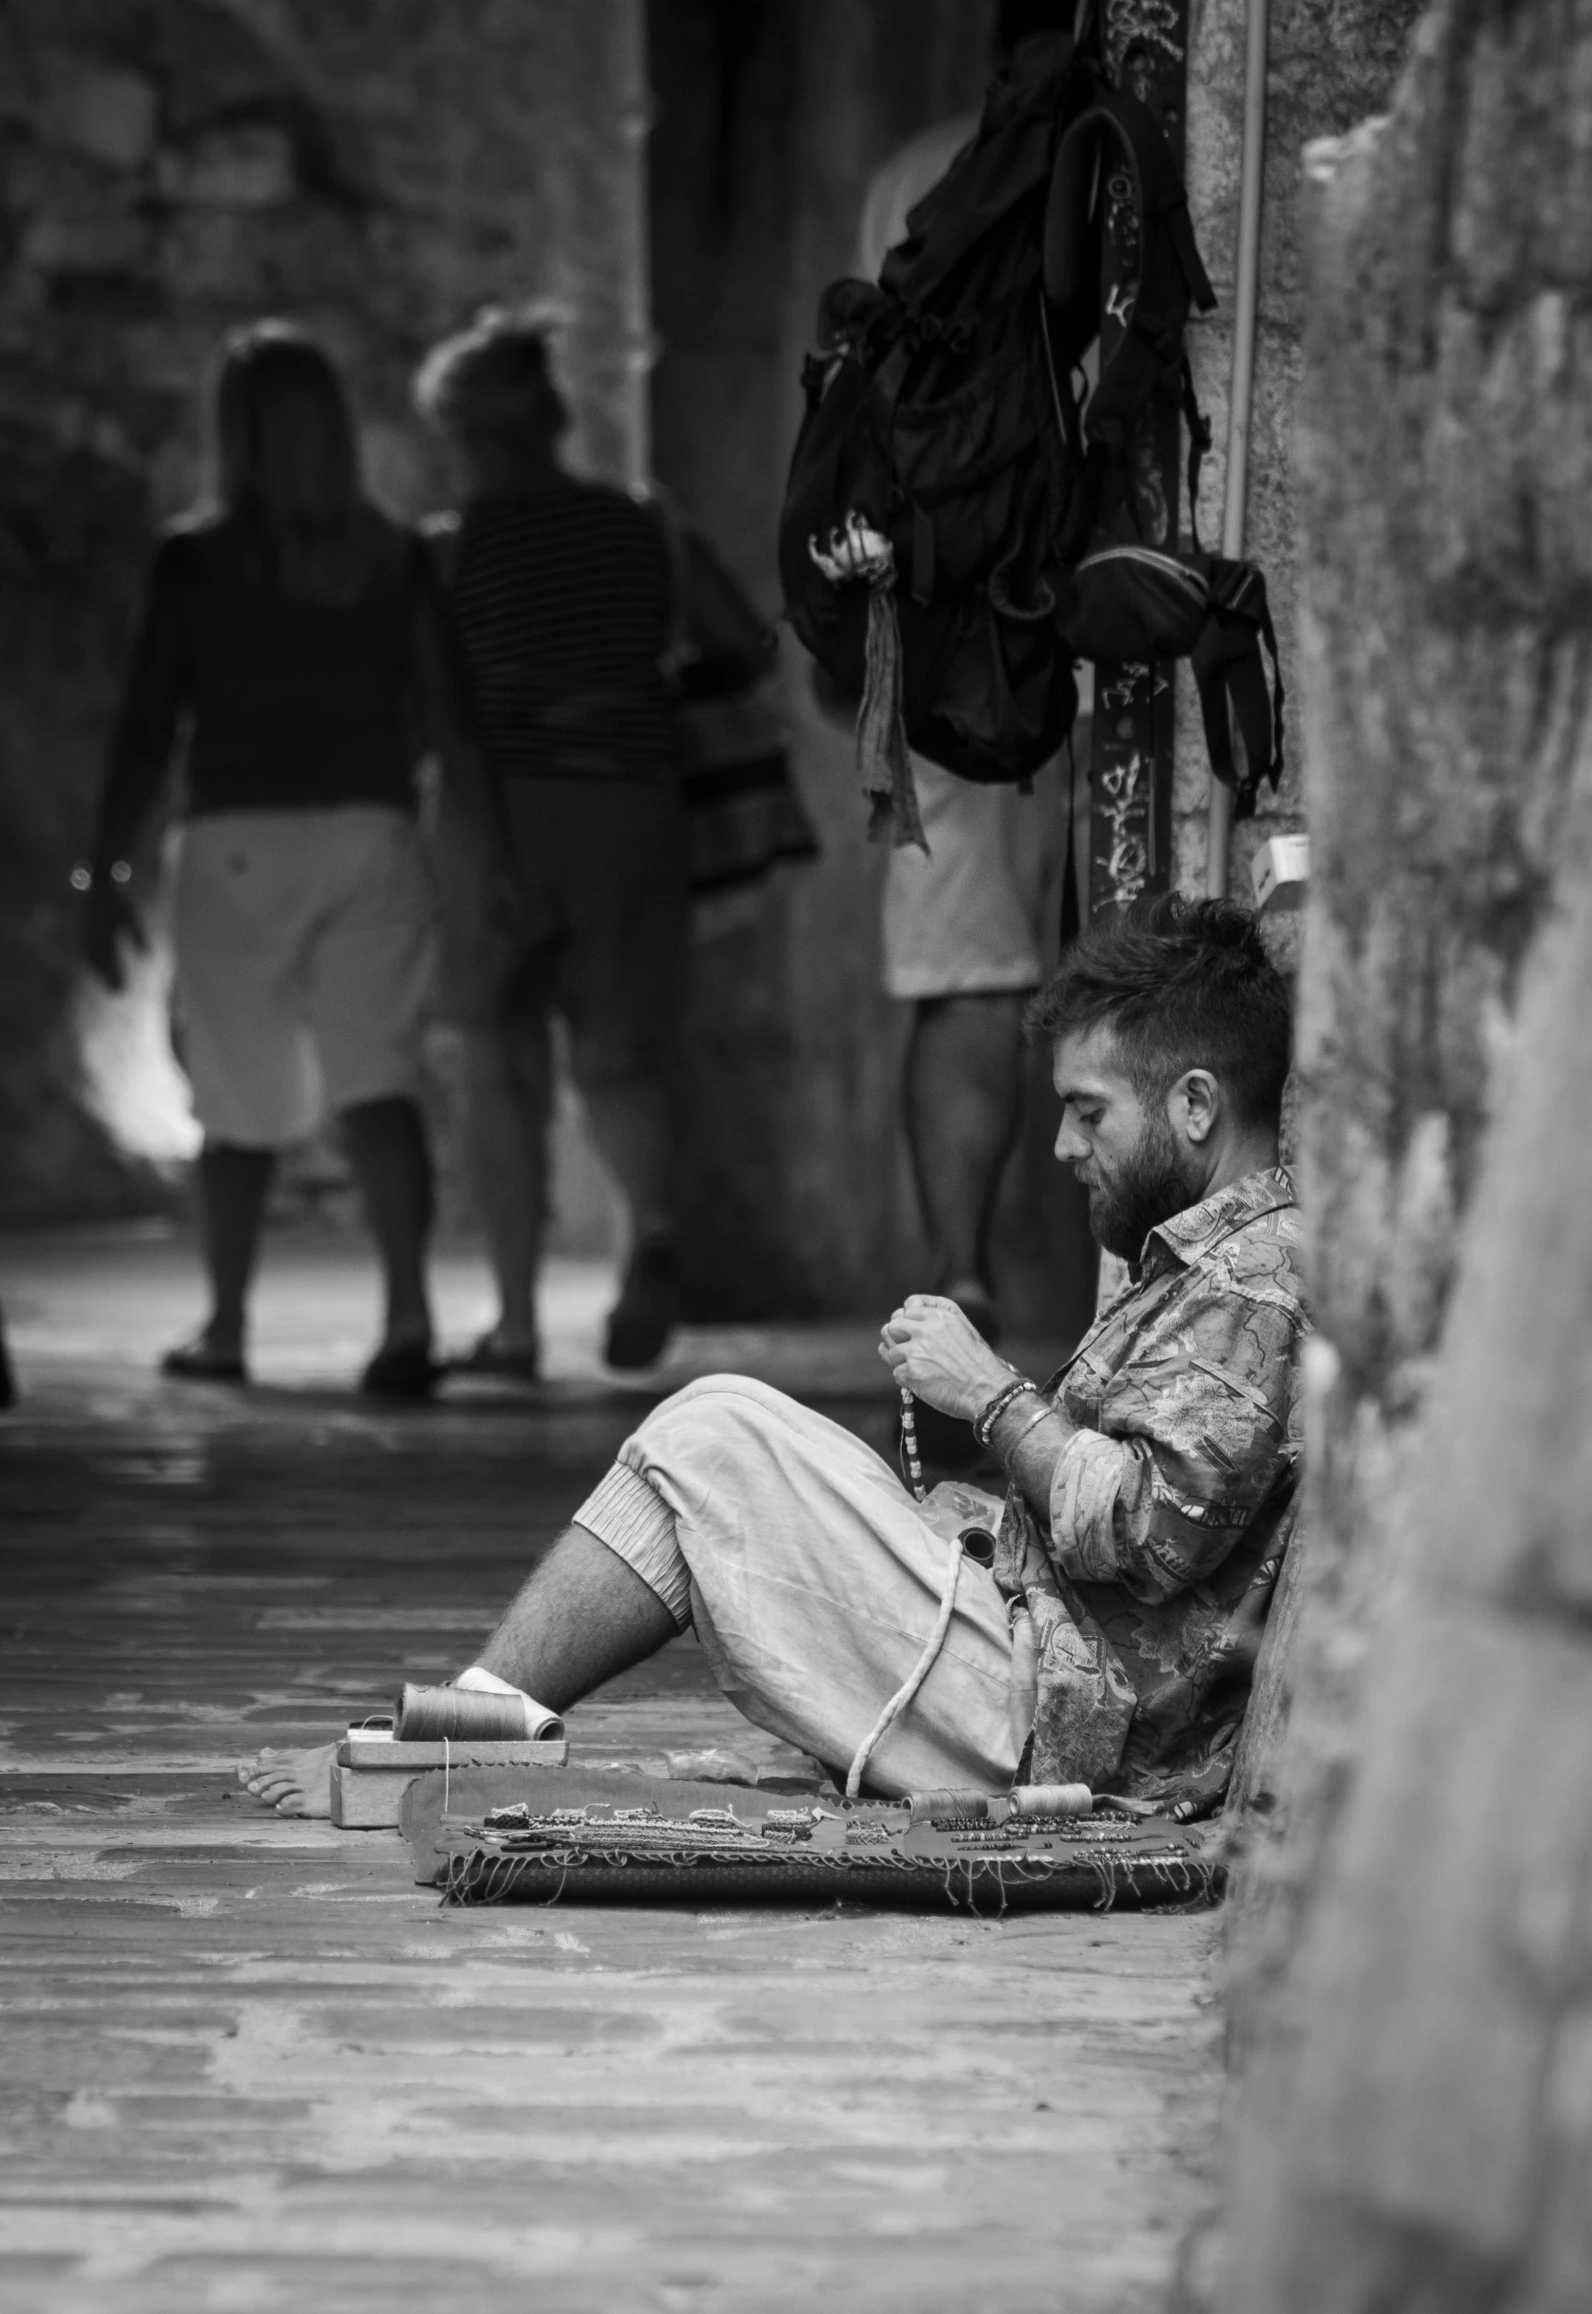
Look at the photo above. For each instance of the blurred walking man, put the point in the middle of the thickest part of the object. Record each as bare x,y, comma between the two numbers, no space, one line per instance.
562,594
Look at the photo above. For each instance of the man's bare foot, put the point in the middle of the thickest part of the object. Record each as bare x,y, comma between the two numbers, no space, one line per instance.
293,1783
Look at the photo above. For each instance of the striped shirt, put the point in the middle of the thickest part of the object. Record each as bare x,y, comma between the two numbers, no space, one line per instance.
563,602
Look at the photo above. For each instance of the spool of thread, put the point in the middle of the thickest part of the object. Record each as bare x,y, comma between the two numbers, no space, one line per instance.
1052,1800
465,1715
978,1807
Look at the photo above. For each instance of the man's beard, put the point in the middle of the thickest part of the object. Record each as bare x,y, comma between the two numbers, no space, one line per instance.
1148,1189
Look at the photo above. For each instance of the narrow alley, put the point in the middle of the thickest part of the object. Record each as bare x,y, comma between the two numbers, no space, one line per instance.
249,2064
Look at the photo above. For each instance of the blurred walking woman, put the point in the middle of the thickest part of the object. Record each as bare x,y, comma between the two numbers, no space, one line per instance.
293,631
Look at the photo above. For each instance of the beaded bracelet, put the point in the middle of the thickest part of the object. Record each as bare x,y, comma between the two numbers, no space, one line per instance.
984,1423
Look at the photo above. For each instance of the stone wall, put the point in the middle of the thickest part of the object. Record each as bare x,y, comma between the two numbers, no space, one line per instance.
1331,62
1412,2126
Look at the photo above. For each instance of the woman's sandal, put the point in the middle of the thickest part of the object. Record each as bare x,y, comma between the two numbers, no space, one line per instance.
196,1362
493,1361
408,1371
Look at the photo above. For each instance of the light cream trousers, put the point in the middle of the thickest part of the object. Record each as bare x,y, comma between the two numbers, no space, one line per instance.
813,1582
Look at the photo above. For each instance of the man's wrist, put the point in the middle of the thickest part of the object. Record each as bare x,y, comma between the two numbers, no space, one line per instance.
1030,1439
997,1404
1014,1425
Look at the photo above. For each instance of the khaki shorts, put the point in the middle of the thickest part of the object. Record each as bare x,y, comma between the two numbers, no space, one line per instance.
304,951
814,1582
966,921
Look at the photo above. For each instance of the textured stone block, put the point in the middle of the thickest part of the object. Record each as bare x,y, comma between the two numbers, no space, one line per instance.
109,116
251,167
106,244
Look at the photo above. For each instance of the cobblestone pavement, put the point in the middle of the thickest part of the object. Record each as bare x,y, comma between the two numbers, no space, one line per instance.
249,2065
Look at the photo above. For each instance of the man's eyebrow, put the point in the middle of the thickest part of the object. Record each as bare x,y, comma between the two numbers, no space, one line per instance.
1067,1094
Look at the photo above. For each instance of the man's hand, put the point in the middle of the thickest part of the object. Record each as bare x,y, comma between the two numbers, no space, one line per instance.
934,1350
108,919
855,551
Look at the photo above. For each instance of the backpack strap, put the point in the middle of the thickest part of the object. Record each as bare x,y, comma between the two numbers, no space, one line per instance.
1113,132
1231,680
1199,446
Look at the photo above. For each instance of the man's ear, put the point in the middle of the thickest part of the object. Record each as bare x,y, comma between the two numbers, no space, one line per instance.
1194,1104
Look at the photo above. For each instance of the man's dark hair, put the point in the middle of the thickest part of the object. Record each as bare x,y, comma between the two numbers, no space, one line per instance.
1182,984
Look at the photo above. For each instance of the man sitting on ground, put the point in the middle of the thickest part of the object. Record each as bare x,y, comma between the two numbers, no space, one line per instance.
1150,1481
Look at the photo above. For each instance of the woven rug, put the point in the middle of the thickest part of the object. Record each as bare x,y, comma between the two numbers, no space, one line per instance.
535,1837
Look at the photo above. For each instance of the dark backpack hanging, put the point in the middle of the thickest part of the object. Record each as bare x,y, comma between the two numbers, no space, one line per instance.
946,425
941,412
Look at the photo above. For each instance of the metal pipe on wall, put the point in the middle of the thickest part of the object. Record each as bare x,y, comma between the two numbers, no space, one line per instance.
1241,395
633,95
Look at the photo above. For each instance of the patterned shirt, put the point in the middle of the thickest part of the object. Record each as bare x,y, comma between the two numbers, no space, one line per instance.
1171,1504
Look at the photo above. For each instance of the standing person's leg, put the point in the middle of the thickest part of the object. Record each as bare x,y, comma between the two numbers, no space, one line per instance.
632,1126
246,890
963,1105
373,959
511,1099
386,1144
494,986
621,984
233,1187
961,945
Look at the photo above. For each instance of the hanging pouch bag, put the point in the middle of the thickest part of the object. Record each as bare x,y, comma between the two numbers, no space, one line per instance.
1134,603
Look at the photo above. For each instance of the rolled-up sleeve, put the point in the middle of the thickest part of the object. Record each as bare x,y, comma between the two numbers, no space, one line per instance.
1192,1437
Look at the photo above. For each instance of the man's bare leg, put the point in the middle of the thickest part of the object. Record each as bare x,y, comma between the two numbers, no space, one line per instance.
581,1617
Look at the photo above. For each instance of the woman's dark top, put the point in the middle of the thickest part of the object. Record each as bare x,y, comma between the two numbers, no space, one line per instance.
562,599
290,705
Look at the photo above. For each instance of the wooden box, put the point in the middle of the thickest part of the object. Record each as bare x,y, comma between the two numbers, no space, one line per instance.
372,1771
